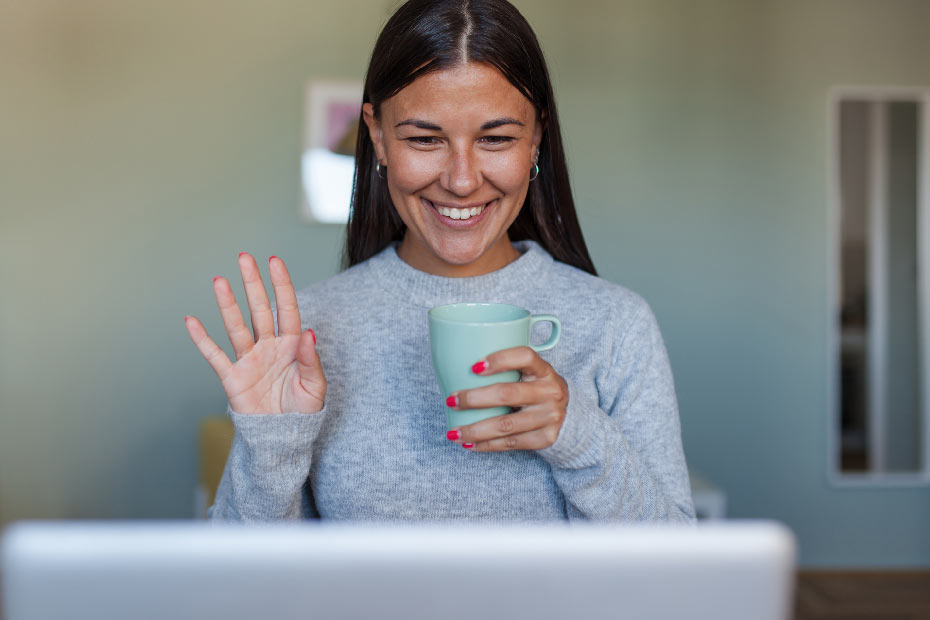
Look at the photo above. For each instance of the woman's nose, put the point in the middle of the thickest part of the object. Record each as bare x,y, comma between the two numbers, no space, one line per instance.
462,175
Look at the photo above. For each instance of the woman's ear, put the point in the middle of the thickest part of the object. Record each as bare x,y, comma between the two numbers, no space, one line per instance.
538,132
374,131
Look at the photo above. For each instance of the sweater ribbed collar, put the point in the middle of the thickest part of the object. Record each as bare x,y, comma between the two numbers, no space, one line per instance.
425,289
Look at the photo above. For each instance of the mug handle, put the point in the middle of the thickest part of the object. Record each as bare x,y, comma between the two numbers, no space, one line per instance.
556,331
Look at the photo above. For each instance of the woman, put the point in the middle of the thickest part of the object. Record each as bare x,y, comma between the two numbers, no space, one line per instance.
461,194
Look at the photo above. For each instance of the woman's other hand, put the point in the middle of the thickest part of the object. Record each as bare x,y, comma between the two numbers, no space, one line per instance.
539,398
272,373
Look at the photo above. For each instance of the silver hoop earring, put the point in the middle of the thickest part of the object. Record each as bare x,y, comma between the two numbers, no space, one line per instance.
535,172
379,169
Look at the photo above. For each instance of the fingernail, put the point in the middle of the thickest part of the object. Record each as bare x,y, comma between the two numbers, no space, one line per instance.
452,401
270,257
312,334
453,435
240,254
480,367
186,318
468,446
215,278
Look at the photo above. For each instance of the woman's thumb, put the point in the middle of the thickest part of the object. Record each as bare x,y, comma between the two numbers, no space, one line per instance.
308,364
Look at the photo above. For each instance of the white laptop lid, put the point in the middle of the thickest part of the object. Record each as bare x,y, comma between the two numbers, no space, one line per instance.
141,570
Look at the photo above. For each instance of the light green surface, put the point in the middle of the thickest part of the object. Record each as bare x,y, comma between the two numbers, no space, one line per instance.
144,144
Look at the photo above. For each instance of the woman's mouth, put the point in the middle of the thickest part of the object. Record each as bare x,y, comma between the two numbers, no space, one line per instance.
459,217
460,214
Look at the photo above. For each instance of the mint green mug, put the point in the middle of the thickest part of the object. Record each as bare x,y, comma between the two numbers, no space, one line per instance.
462,334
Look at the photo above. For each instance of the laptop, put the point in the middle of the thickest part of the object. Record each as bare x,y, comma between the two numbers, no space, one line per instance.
318,570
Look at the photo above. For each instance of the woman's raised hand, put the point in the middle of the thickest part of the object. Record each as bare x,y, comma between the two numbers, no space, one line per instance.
272,373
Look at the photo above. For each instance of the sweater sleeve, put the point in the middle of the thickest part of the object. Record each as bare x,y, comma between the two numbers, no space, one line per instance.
266,475
618,455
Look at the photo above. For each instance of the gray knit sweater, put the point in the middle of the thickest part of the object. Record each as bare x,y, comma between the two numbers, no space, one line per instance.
378,451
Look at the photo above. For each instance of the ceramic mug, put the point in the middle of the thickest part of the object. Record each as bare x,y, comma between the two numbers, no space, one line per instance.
465,333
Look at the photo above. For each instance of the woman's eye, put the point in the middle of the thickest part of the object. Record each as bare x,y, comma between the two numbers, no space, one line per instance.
497,140
423,140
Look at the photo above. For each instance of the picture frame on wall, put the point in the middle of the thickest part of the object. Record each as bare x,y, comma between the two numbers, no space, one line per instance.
331,124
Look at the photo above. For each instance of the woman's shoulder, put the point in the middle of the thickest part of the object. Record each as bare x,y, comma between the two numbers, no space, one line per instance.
604,313
595,294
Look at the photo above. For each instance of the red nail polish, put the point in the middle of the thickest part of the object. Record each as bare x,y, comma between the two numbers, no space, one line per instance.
240,254
468,446
480,367
312,334
215,278
270,257
452,401
453,435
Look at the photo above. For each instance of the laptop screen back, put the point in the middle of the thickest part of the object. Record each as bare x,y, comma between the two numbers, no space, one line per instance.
110,570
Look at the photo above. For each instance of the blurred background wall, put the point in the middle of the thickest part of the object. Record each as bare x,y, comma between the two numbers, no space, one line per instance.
144,144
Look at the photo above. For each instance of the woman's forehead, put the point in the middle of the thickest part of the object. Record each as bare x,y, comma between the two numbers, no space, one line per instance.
467,89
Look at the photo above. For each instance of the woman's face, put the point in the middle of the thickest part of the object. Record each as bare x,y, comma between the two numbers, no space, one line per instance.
458,146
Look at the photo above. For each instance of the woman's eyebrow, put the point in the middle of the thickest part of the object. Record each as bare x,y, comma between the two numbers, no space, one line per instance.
498,122
419,124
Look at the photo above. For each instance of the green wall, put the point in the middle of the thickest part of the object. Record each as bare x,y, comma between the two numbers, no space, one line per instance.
144,144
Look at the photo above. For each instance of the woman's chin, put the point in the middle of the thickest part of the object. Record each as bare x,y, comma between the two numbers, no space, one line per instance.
459,258
481,258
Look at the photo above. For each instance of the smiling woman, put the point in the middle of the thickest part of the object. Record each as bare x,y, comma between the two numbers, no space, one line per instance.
458,169
487,62
461,195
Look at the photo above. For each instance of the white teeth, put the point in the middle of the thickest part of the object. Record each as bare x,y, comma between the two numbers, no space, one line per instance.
460,214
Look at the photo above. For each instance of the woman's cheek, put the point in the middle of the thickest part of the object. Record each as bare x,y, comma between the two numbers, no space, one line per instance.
413,173
508,173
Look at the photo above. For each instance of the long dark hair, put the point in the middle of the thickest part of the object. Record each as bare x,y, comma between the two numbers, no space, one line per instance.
432,35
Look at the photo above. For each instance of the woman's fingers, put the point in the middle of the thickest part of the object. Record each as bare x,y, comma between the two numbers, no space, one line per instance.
519,394
533,428
541,397
214,355
538,439
539,382
239,333
524,359
284,298
259,306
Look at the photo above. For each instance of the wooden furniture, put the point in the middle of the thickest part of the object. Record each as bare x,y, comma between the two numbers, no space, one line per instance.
216,435
865,595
